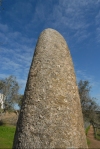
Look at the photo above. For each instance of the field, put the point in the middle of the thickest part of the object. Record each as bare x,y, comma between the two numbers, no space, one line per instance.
6,136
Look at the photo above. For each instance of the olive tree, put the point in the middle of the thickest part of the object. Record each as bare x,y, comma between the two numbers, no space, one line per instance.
88,104
9,87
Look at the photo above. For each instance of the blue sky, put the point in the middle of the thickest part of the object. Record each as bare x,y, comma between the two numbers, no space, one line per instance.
21,22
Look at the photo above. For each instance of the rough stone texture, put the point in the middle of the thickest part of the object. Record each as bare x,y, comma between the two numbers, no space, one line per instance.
51,115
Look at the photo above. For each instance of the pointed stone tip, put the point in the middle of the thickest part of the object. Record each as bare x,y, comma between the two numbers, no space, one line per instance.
49,30
53,34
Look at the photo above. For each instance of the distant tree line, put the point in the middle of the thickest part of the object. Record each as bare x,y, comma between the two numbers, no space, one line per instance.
9,87
88,104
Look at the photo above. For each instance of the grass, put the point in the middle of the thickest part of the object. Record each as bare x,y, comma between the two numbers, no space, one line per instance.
86,132
87,129
6,136
88,142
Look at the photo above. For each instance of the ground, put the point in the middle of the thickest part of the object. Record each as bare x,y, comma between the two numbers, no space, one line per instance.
93,142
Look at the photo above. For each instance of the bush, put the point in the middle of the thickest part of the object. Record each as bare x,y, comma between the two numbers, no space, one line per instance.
87,129
1,123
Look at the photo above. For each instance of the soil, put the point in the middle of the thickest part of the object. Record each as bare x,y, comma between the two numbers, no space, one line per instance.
93,142
9,118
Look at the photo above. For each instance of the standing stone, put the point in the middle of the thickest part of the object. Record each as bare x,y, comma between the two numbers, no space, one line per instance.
50,115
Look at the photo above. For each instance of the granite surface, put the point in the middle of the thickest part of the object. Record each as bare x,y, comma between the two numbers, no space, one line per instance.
51,115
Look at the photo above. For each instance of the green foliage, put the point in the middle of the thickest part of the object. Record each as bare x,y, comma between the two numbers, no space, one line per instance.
88,104
6,136
88,142
87,129
20,100
9,87
86,132
98,134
